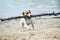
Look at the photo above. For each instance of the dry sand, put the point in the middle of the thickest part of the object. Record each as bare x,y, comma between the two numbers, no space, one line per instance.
45,29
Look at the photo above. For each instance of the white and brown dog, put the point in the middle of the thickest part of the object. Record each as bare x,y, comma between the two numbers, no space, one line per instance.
26,21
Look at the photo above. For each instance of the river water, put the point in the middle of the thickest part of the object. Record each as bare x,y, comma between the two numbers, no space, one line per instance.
10,8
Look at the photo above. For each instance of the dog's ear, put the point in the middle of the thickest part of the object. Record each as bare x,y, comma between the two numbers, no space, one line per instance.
22,13
29,11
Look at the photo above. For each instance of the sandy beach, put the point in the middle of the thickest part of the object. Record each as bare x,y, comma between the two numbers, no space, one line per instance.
45,29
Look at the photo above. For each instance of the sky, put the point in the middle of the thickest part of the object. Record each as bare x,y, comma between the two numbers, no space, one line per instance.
10,8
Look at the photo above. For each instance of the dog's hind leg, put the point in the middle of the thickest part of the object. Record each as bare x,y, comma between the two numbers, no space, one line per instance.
27,27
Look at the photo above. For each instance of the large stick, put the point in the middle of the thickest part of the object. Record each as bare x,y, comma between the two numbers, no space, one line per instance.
47,14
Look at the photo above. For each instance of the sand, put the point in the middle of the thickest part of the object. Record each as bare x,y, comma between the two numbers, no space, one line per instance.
45,29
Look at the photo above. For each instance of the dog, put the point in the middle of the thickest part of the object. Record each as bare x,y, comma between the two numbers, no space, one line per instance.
26,21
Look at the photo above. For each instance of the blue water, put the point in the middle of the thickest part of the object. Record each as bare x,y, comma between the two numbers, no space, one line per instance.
10,8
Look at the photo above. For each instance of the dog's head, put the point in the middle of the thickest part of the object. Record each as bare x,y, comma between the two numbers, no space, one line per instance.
26,12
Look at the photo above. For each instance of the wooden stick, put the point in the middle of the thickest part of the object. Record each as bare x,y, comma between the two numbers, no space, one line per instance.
47,14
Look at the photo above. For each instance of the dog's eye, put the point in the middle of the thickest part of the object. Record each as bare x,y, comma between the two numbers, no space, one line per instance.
27,13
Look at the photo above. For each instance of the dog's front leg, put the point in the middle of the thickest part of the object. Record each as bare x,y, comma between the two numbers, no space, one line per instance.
32,25
22,26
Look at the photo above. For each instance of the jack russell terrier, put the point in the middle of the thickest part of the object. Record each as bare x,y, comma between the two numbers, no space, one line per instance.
26,21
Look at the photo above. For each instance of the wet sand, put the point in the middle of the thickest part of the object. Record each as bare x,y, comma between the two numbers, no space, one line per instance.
45,29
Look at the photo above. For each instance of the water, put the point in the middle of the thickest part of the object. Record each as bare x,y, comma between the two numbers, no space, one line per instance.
9,8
